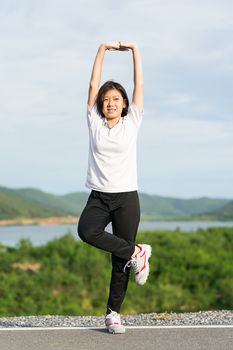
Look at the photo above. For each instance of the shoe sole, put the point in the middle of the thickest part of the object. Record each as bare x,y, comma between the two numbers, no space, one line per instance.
148,250
116,329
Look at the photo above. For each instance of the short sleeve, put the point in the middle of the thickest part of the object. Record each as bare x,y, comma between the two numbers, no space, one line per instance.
135,115
92,115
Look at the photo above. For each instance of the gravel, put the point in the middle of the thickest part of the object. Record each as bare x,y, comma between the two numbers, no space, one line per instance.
223,317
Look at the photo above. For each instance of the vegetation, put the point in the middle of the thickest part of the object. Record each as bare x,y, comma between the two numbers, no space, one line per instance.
31,203
189,272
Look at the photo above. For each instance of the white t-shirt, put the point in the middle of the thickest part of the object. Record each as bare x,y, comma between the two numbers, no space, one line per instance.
112,163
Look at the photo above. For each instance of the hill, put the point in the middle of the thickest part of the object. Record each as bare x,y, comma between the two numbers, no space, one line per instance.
31,203
222,214
175,208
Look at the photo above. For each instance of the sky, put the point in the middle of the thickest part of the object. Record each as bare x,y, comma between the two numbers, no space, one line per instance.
47,48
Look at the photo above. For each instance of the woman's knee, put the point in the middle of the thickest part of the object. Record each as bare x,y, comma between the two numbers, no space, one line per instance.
85,232
81,231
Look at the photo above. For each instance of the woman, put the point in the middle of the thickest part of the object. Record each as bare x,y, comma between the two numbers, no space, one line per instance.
112,177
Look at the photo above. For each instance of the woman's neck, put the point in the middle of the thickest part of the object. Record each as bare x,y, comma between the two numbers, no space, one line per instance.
112,122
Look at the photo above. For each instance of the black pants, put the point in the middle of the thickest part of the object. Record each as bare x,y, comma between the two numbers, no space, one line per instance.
123,210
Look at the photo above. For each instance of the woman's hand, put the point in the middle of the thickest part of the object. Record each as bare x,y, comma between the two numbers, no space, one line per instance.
119,45
127,45
114,45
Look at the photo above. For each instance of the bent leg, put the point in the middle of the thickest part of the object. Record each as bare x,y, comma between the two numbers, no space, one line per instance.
91,229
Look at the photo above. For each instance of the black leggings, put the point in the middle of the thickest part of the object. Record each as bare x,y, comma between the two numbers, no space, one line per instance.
123,210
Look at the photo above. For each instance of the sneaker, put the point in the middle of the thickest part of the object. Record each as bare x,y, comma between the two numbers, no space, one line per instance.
140,263
113,323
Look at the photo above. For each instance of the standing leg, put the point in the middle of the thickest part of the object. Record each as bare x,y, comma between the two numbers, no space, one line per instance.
125,221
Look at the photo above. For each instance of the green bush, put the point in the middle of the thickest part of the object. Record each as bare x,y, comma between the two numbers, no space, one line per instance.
189,271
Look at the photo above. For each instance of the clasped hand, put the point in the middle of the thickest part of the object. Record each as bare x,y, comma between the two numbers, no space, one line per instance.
119,45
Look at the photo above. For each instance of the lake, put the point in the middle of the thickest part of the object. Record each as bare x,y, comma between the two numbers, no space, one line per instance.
10,235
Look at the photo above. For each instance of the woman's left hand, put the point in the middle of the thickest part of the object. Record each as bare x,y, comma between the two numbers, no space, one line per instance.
127,45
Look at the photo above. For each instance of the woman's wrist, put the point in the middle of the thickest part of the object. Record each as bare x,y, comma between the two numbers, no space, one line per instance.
134,46
103,47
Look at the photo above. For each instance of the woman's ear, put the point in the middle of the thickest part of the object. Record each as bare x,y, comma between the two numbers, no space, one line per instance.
124,103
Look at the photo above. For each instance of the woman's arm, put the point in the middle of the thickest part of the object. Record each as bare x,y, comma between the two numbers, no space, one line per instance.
138,92
97,70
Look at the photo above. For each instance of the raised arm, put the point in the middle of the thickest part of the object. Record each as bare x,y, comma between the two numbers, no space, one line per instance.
138,92
97,70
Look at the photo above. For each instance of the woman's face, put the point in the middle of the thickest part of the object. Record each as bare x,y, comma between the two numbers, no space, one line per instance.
113,103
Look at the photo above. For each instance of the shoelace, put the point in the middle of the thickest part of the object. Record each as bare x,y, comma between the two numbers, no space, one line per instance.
133,264
115,315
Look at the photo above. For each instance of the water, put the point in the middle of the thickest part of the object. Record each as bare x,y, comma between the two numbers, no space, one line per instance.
10,235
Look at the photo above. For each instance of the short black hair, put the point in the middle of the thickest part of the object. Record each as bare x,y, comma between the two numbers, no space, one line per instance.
109,85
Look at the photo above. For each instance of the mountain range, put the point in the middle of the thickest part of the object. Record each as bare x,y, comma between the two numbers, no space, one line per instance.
31,202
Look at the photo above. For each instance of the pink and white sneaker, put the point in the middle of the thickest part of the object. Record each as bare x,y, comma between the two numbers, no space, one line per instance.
113,323
140,263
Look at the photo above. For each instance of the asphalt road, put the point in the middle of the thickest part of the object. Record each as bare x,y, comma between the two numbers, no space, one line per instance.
174,338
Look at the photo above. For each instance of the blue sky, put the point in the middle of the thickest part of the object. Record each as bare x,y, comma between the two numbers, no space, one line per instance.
185,144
